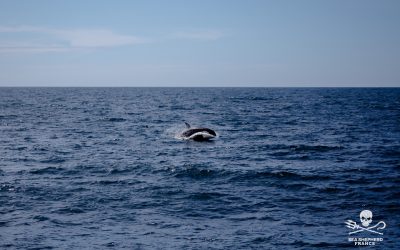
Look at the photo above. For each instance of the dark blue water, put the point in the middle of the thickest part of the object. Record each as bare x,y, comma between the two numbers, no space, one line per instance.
101,167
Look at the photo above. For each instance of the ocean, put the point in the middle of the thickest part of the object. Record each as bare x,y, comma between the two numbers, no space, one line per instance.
103,168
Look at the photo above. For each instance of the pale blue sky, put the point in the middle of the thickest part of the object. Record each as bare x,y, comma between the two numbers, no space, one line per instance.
199,43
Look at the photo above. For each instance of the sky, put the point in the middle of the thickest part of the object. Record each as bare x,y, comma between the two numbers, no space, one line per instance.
238,43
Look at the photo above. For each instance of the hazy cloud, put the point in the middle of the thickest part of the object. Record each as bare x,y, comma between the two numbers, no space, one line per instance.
63,39
52,40
16,29
32,48
97,38
200,35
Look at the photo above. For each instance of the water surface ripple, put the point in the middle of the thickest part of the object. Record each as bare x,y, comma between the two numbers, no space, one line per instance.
99,168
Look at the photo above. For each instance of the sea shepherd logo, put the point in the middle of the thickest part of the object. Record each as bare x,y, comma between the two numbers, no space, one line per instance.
366,227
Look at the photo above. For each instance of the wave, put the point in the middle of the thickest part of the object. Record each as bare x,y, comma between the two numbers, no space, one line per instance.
279,175
205,195
53,160
300,148
114,119
48,170
314,148
196,173
7,187
68,210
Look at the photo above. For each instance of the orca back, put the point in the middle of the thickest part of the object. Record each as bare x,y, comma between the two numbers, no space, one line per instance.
192,131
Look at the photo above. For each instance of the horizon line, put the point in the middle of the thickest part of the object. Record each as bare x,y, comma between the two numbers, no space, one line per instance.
172,86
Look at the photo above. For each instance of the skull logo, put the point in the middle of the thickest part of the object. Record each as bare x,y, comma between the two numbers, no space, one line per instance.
366,217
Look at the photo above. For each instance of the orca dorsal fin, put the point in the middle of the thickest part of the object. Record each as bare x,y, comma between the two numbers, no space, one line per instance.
187,125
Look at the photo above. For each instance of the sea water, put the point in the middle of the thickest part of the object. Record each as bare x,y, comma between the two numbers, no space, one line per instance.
97,168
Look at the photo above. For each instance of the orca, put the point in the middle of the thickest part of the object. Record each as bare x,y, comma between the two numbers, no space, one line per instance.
198,134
